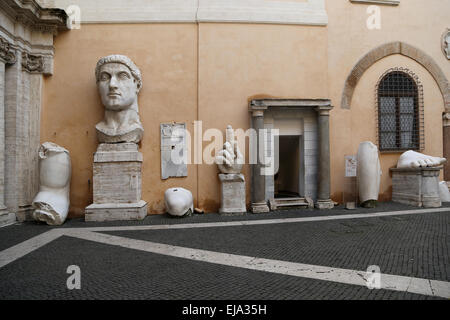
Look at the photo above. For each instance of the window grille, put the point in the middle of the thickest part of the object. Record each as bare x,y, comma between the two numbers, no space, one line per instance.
399,97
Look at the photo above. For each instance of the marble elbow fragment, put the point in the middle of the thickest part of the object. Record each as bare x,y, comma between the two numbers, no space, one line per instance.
51,204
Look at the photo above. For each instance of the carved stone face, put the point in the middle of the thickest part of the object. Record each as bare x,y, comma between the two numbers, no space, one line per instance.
117,86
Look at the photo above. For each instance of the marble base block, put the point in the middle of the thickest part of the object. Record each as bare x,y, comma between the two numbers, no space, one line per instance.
116,212
260,207
117,184
416,186
233,193
324,204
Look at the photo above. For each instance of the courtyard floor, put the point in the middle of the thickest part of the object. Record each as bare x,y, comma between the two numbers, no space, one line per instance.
283,255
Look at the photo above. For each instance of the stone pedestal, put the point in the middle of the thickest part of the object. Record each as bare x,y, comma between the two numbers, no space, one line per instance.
117,184
416,186
233,193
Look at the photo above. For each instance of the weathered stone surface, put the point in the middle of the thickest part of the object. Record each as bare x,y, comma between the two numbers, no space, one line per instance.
233,193
118,152
22,127
117,174
416,186
116,211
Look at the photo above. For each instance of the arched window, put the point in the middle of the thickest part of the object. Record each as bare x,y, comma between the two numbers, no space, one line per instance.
399,115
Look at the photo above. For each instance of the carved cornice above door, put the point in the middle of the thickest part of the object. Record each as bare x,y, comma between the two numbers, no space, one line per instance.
26,34
32,15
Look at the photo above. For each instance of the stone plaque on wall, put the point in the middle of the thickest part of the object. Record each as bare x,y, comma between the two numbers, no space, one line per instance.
350,166
173,150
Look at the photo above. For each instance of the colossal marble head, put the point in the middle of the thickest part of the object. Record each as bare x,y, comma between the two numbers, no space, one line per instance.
119,81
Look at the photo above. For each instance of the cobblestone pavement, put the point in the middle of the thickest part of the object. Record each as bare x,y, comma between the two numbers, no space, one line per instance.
407,245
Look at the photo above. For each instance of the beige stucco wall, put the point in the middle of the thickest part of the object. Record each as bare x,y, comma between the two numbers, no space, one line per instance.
209,71
348,41
239,62
166,55
236,62
359,123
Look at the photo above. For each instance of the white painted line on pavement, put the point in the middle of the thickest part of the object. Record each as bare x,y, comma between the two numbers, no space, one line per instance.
346,276
262,222
18,251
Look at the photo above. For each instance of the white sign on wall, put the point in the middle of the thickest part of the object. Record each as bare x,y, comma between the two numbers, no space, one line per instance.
173,150
350,166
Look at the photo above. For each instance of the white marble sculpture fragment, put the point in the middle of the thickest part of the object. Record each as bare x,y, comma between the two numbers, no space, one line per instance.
444,192
413,159
52,201
119,81
179,202
230,160
368,172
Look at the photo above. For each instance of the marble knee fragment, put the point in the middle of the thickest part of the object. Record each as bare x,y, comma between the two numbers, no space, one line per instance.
51,204
179,202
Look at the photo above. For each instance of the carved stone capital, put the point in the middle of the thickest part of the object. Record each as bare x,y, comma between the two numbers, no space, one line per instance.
446,118
32,63
7,53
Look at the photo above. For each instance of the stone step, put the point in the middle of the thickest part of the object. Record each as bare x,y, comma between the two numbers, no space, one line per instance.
288,202
292,204
289,199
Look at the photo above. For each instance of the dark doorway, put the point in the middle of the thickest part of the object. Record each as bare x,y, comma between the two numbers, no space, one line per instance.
287,178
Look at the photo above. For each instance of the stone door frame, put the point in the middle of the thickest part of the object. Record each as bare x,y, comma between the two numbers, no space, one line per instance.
257,107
